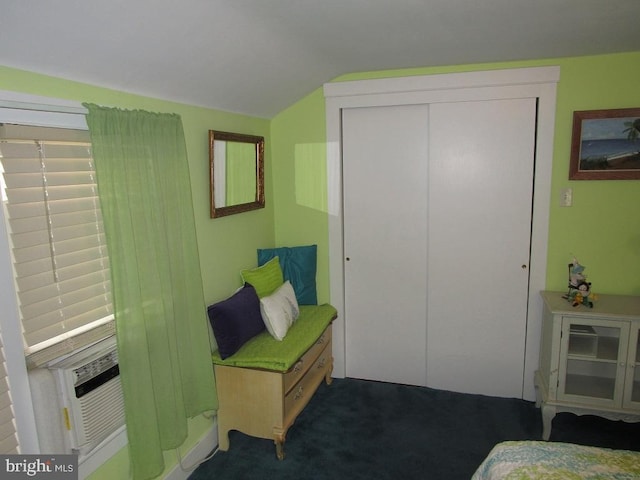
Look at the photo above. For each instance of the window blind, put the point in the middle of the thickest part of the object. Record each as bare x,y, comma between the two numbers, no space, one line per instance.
58,244
8,435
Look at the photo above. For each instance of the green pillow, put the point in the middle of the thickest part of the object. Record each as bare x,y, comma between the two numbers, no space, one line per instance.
266,279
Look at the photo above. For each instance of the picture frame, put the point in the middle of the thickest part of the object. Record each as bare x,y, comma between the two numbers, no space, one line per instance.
605,145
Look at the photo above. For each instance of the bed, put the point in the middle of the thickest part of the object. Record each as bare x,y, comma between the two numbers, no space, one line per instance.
532,460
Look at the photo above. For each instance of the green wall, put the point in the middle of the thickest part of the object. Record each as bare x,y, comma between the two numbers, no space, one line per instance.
299,182
601,229
226,245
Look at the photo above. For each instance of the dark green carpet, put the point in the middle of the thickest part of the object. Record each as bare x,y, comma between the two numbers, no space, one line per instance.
356,429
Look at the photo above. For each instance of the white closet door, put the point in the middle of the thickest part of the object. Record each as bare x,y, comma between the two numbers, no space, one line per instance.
481,166
385,210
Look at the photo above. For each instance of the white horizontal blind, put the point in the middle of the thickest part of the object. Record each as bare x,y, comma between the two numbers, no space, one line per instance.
58,244
8,435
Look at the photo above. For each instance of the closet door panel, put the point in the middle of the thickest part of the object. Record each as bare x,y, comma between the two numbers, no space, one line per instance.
481,165
385,200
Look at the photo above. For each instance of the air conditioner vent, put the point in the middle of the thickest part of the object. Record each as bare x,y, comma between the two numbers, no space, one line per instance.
102,410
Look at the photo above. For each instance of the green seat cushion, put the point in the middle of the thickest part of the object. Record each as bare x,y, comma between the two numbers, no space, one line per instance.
264,351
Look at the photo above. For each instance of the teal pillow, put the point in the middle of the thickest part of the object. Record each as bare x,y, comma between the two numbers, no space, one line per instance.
266,279
298,265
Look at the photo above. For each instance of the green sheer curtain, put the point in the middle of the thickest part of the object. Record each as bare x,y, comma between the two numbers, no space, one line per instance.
161,324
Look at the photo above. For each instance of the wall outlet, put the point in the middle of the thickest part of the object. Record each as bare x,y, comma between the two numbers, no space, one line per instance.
566,197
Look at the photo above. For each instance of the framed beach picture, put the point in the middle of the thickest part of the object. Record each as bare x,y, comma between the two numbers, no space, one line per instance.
605,145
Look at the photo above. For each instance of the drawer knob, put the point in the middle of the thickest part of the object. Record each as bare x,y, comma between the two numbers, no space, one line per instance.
298,367
322,362
298,393
320,340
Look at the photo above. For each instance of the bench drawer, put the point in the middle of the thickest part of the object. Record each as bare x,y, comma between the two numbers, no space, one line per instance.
306,361
301,393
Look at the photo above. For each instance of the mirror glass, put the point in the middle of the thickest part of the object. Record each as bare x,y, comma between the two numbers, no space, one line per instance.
236,164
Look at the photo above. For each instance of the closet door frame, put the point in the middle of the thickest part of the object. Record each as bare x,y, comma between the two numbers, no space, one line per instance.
535,82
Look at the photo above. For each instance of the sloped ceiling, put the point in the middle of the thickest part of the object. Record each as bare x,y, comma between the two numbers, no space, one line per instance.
258,57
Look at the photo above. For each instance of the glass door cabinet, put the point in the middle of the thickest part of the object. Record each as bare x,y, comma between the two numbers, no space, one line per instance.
589,358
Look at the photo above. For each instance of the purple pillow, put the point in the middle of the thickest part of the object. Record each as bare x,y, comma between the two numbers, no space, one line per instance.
236,320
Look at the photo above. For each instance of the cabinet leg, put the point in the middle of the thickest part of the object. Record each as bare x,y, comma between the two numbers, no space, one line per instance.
280,449
548,413
223,439
327,376
538,397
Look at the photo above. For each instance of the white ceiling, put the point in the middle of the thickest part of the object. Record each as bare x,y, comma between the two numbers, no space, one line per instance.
258,57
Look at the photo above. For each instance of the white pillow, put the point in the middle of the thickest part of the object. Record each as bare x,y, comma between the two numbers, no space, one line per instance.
279,310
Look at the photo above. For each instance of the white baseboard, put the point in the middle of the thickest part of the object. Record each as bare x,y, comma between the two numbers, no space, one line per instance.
118,440
201,450
105,450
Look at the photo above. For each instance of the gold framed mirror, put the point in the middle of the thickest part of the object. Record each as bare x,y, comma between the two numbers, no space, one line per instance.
236,173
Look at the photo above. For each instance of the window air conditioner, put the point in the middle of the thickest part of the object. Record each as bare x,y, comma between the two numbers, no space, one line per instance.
89,407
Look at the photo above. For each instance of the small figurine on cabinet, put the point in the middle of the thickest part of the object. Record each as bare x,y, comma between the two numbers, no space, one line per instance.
579,289
582,295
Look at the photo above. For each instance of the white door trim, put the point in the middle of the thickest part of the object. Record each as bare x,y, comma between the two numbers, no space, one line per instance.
538,82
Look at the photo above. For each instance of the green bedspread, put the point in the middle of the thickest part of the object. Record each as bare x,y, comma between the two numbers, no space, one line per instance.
264,351
532,460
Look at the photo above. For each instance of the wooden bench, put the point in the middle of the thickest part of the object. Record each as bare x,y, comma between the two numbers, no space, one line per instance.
264,386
